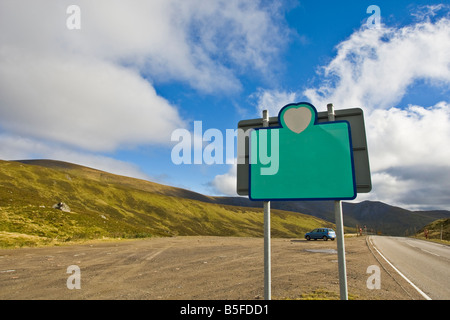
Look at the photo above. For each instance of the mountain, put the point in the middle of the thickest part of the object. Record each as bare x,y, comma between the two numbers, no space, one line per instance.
376,216
94,204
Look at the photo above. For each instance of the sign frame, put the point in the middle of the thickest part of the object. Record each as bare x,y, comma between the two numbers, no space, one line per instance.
355,118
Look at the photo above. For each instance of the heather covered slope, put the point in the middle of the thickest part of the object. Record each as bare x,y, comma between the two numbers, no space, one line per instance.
104,205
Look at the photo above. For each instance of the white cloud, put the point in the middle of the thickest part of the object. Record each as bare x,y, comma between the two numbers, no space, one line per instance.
14,147
409,160
413,136
84,103
92,88
426,12
205,44
374,69
273,100
225,184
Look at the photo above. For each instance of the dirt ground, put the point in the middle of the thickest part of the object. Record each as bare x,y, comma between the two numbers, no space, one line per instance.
195,268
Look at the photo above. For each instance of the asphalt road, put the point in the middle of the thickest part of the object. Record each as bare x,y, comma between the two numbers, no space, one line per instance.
425,264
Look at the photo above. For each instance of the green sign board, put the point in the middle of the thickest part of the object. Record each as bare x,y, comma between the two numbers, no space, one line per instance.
301,159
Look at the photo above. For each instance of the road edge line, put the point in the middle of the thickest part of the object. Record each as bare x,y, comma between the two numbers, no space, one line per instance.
423,294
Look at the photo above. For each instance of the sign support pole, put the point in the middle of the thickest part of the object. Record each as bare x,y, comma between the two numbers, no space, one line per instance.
339,233
267,259
267,264
341,250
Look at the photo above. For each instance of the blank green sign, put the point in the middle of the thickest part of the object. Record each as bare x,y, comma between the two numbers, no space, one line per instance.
302,160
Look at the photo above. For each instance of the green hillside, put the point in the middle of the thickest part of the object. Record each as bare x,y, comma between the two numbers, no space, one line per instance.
435,229
104,205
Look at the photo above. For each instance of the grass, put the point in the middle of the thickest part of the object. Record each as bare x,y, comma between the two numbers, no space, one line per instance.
435,229
104,205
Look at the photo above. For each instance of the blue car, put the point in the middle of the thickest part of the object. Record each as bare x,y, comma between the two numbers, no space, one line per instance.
321,233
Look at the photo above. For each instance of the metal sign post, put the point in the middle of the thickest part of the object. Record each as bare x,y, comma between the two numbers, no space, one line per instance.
339,233
267,259
313,156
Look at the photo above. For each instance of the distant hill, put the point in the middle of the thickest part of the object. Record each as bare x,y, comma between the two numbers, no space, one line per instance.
377,216
99,205
107,205
436,229
391,220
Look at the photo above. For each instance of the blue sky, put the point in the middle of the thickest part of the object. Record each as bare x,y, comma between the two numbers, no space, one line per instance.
110,94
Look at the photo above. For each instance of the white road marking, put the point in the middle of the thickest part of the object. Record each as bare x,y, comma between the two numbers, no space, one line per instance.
402,275
409,244
430,252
